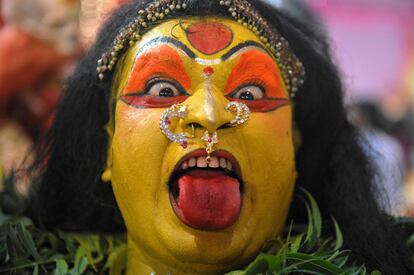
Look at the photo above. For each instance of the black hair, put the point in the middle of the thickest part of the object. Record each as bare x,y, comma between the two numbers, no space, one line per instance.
68,192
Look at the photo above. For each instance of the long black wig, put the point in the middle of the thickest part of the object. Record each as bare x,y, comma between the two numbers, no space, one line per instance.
68,192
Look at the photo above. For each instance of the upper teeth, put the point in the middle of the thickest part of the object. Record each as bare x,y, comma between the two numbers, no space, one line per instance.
201,162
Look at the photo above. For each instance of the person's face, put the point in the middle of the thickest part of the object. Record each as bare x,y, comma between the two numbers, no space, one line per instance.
180,214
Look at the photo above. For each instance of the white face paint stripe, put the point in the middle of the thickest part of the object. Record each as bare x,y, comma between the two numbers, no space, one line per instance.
208,62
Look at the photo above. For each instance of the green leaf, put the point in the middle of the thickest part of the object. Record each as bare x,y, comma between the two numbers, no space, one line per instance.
61,267
338,257
315,214
264,263
16,249
293,266
91,248
260,265
359,271
304,271
342,261
339,239
83,264
313,263
309,239
236,272
27,241
296,242
25,221
80,266
117,260
376,272
80,254
70,243
35,270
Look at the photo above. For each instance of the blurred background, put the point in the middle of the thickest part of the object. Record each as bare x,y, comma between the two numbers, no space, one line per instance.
372,42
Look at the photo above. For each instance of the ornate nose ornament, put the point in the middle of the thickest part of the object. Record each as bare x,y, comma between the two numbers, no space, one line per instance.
209,142
240,110
175,111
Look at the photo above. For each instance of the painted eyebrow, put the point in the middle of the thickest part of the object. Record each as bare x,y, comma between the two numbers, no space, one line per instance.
241,46
167,40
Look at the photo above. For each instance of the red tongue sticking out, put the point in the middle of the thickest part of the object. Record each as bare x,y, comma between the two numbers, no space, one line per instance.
209,200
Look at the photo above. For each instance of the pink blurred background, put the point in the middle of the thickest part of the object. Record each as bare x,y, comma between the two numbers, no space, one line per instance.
373,41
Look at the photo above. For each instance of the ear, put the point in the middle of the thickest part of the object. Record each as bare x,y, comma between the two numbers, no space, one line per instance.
107,173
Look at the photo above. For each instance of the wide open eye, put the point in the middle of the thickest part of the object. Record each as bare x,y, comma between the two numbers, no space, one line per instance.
250,92
161,88
158,93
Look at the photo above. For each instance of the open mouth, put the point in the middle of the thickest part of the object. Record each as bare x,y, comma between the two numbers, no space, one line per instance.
207,196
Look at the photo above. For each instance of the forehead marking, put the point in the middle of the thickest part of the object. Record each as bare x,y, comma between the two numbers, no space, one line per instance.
243,47
209,37
166,40
208,62
239,48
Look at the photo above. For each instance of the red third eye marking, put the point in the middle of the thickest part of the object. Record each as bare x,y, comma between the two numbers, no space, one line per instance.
209,37
208,71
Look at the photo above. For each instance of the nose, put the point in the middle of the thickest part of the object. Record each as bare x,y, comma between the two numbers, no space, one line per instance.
207,109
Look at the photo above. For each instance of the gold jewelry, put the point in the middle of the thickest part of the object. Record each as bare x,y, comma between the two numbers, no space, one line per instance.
209,143
175,111
240,110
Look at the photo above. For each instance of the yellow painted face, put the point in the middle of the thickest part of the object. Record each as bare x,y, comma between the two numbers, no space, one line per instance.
203,63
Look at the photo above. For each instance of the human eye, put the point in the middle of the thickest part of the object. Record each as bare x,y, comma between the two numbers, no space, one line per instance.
157,93
254,95
163,88
249,92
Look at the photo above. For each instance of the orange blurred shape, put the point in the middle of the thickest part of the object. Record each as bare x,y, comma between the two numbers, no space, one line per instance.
24,61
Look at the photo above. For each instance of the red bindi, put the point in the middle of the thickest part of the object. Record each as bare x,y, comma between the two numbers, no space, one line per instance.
208,71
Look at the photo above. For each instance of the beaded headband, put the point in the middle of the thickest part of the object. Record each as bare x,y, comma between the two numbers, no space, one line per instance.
291,67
